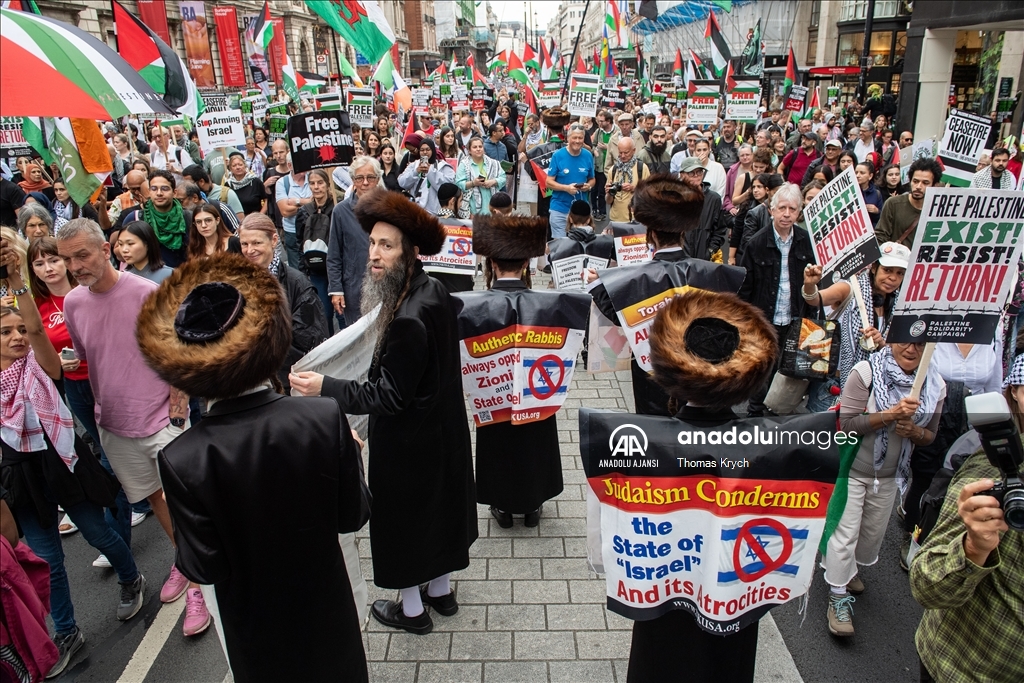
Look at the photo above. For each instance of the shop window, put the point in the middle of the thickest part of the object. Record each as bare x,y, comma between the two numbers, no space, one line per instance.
881,48
851,45
901,45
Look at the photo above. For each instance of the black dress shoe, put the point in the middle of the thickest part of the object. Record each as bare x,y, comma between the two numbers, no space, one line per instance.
445,605
532,518
504,518
389,613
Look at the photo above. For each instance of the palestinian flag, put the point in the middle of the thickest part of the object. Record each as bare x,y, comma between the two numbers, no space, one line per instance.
540,165
729,82
815,103
360,22
556,57
263,30
347,69
470,62
791,71
615,22
291,82
530,57
156,62
677,69
499,61
530,98
596,61
515,69
310,81
454,64
546,63
719,47
698,66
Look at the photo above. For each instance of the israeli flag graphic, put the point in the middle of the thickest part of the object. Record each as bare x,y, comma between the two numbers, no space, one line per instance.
761,547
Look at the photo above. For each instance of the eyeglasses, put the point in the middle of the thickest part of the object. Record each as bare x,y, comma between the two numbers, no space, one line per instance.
364,178
695,173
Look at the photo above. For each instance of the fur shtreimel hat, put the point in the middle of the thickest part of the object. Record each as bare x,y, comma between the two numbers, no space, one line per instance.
216,327
667,204
712,349
384,206
509,237
556,117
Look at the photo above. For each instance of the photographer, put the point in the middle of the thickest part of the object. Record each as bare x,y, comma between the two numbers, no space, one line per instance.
969,575
625,172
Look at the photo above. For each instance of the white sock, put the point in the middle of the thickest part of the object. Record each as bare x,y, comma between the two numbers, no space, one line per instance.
439,587
838,590
412,605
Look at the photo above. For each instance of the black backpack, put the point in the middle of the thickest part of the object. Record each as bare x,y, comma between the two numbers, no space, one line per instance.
889,105
315,238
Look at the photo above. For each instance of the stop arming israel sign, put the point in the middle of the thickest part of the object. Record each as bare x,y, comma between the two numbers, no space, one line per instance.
722,521
220,129
840,229
519,351
639,292
965,255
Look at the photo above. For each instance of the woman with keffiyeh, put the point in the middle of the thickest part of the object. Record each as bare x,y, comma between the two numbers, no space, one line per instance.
877,405
44,465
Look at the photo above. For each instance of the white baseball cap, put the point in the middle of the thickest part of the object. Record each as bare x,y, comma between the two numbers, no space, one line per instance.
894,255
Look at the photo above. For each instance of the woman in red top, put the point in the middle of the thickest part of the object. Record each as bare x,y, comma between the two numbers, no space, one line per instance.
50,282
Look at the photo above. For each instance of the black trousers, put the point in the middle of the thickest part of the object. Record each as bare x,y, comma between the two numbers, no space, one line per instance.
755,406
597,194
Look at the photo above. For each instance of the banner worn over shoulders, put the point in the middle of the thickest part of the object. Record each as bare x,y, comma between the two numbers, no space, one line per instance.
519,351
963,141
639,292
966,250
456,256
320,139
722,521
840,228
346,355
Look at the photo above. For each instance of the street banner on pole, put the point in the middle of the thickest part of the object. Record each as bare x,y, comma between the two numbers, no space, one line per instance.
197,43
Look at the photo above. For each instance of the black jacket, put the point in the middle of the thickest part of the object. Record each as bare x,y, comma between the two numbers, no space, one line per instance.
763,262
813,168
224,479
424,497
756,219
712,230
309,324
302,217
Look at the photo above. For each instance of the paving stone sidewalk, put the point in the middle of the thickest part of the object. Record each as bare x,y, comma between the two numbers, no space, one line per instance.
531,609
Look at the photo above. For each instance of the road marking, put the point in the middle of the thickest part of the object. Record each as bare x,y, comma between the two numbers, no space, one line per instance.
152,643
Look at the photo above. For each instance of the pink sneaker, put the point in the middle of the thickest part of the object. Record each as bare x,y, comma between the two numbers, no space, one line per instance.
174,587
197,617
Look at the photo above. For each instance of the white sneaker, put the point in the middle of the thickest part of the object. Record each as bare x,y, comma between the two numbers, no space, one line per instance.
66,526
139,517
102,562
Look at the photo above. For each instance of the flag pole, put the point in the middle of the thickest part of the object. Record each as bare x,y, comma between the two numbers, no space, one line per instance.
341,84
575,47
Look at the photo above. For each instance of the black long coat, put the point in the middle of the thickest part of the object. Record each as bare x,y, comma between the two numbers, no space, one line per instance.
421,468
258,493
518,467
673,647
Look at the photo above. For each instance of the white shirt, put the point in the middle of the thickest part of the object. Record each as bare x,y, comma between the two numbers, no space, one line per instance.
715,176
981,371
861,150
174,154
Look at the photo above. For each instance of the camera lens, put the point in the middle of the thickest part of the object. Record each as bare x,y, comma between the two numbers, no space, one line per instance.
1013,509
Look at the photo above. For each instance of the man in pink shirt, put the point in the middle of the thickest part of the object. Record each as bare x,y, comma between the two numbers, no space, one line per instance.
136,412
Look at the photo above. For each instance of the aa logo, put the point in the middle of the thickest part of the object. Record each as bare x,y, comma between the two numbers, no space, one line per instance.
628,441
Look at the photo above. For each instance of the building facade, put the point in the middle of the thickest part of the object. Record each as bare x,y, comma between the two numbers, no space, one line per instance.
419,21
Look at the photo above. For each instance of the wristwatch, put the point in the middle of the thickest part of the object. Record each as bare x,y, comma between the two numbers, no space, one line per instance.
178,422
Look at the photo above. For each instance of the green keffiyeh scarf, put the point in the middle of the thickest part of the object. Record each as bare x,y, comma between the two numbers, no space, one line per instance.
169,227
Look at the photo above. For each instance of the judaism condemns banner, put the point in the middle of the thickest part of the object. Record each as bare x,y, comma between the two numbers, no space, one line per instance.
519,351
456,256
197,43
722,522
638,292
965,256
841,233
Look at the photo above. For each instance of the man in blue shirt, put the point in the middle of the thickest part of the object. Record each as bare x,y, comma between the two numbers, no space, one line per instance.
292,193
570,177
494,143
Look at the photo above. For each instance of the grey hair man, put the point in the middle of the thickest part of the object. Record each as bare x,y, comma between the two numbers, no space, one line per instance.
349,246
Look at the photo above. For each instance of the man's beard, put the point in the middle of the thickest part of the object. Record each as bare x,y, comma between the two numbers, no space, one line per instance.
386,291
658,148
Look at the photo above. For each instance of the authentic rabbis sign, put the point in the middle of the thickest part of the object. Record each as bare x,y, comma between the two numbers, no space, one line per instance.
320,139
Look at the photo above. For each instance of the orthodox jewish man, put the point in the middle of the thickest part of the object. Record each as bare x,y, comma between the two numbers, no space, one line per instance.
221,328
518,467
421,469
670,209
709,352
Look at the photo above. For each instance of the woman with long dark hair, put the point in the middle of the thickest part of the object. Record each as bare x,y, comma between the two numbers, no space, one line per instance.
65,208
209,235
447,144
371,143
889,182
389,165
422,177
140,250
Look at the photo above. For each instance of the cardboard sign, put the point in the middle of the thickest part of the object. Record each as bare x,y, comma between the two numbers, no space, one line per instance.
359,102
633,249
741,102
797,97
840,227
277,127
584,91
519,351
421,97
215,101
723,522
613,98
702,105
220,129
961,146
257,106
456,256
320,139
965,255
550,93
639,292
12,141
568,272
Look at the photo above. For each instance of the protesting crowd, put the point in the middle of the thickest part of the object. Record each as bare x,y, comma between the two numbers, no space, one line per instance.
217,306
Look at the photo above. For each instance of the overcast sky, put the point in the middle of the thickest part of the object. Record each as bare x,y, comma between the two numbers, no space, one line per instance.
513,11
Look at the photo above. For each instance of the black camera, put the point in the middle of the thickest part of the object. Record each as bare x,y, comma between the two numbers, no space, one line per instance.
990,416
613,188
